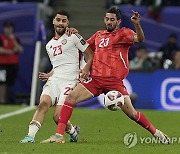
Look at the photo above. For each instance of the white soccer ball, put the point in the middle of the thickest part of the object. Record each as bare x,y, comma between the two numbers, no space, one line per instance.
113,100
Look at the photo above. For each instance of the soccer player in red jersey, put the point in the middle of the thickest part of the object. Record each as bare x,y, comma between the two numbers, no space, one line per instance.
110,66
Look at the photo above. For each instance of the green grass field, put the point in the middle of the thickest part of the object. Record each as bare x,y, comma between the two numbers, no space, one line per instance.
102,131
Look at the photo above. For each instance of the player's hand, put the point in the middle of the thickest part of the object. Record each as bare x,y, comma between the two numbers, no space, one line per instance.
84,74
43,76
70,31
135,18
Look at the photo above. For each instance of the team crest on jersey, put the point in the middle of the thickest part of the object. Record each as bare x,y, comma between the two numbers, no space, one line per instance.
64,42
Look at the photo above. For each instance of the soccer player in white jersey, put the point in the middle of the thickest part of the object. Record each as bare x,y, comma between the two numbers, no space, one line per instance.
63,51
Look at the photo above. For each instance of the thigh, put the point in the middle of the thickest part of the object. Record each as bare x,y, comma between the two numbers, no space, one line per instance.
66,87
75,94
51,89
93,86
79,94
45,100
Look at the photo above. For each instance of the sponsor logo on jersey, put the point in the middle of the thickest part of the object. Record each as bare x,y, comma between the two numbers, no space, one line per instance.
64,42
83,42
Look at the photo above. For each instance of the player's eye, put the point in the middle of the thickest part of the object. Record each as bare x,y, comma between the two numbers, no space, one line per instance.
58,19
106,18
64,20
112,19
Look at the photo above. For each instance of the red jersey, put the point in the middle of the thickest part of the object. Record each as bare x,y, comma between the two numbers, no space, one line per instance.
111,52
7,43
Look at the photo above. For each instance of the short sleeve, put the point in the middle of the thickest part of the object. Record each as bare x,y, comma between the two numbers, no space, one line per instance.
128,35
80,42
91,42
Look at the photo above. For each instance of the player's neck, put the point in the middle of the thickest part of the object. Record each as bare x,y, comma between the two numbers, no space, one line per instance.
113,30
116,29
57,36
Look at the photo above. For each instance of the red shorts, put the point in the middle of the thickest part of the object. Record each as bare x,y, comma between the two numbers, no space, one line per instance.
99,85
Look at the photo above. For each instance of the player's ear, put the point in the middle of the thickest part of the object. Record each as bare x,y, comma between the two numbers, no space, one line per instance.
119,22
53,21
67,23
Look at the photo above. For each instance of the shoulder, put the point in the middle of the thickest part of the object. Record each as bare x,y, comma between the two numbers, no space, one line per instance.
126,31
49,44
101,32
76,36
50,41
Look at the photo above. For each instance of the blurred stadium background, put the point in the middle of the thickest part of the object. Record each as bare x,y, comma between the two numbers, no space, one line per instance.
157,88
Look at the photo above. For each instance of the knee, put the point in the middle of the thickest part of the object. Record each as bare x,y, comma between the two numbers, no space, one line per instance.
71,98
43,106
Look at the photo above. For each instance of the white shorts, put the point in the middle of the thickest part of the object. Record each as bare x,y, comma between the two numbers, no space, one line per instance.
58,89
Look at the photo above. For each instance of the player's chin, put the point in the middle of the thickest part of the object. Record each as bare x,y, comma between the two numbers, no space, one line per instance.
61,32
109,29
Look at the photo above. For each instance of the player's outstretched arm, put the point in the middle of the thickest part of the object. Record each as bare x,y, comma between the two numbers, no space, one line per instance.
135,18
85,71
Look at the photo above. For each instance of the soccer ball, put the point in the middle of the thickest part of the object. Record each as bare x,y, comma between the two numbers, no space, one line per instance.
113,100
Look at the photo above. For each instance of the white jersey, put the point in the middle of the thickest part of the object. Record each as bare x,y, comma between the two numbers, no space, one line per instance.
64,55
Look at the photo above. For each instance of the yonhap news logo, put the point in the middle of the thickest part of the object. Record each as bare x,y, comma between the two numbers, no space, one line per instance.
132,139
170,93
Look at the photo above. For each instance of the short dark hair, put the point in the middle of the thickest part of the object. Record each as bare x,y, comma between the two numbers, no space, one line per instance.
115,11
62,12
